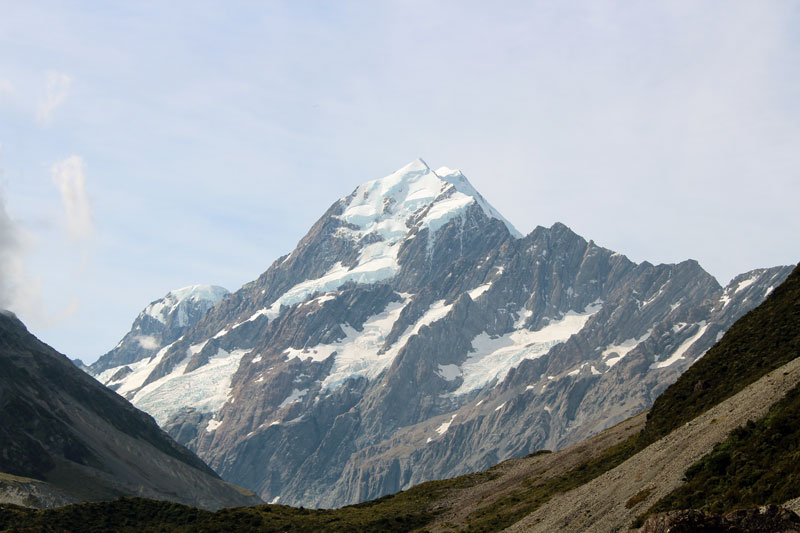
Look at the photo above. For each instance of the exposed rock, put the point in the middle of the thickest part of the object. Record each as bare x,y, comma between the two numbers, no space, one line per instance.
413,335
768,519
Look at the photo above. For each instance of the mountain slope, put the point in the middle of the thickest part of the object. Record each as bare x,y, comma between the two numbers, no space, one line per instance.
413,334
60,426
551,485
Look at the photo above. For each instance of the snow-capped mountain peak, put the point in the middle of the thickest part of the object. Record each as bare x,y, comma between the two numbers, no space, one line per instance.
413,196
162,308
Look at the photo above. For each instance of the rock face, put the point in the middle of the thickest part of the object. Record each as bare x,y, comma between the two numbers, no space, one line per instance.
414,334
159,324
768,519
60,426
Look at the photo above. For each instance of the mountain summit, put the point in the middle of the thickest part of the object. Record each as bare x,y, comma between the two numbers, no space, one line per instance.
413,334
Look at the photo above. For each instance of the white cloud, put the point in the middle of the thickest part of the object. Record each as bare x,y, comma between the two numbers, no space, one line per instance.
6,87
56,92
147,342
69,177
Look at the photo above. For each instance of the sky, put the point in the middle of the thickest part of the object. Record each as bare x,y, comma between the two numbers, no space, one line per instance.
146,146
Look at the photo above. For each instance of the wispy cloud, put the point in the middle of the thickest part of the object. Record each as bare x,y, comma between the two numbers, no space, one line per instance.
69,176
6,87
56,91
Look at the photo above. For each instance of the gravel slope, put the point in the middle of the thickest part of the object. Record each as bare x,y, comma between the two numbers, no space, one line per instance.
600,505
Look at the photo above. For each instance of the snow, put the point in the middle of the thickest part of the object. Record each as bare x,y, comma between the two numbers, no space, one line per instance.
161,309
477,291
477,404
429,440
294,397
462,185
449,372
530,387
205,388
441,430
769,290
678,354
357,353
212,425
746,283
256,359
139,372
274,500
574,372
494,357
500,406
614,353
595,372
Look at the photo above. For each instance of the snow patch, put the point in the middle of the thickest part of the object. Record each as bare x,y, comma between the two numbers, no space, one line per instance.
492,358
212,425
446,425
358,353
449,372
477,291
678,354
294,397
500,406
614,353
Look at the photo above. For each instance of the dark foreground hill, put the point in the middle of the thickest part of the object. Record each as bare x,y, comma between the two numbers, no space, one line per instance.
749,380
64,437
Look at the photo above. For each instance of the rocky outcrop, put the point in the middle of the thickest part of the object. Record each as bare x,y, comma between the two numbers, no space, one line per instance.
413,334
767,519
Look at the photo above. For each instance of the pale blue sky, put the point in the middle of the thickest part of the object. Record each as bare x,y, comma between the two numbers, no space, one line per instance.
146,146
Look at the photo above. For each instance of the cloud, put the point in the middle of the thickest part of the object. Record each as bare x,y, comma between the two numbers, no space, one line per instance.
56,92
6,87
19,290
147,342
69,176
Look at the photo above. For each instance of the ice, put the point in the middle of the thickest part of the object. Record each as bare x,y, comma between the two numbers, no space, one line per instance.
614,353
162,308
357,354
678,354
746,283
294,397
206,388
441,430
494,357
477,291
449,372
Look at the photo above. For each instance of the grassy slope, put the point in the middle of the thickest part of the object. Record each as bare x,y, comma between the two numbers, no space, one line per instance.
759,342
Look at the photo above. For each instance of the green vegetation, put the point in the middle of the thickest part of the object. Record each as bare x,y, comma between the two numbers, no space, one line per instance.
761,341
757,464
509,509
406,511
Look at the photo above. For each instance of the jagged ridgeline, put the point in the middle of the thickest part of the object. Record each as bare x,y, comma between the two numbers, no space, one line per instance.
414,334
506,495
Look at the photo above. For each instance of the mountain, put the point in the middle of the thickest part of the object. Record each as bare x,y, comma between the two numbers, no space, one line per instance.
724,436
414,334
66,438
161,323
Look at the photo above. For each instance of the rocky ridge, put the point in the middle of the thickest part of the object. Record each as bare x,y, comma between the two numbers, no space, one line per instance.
66,438
413,334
